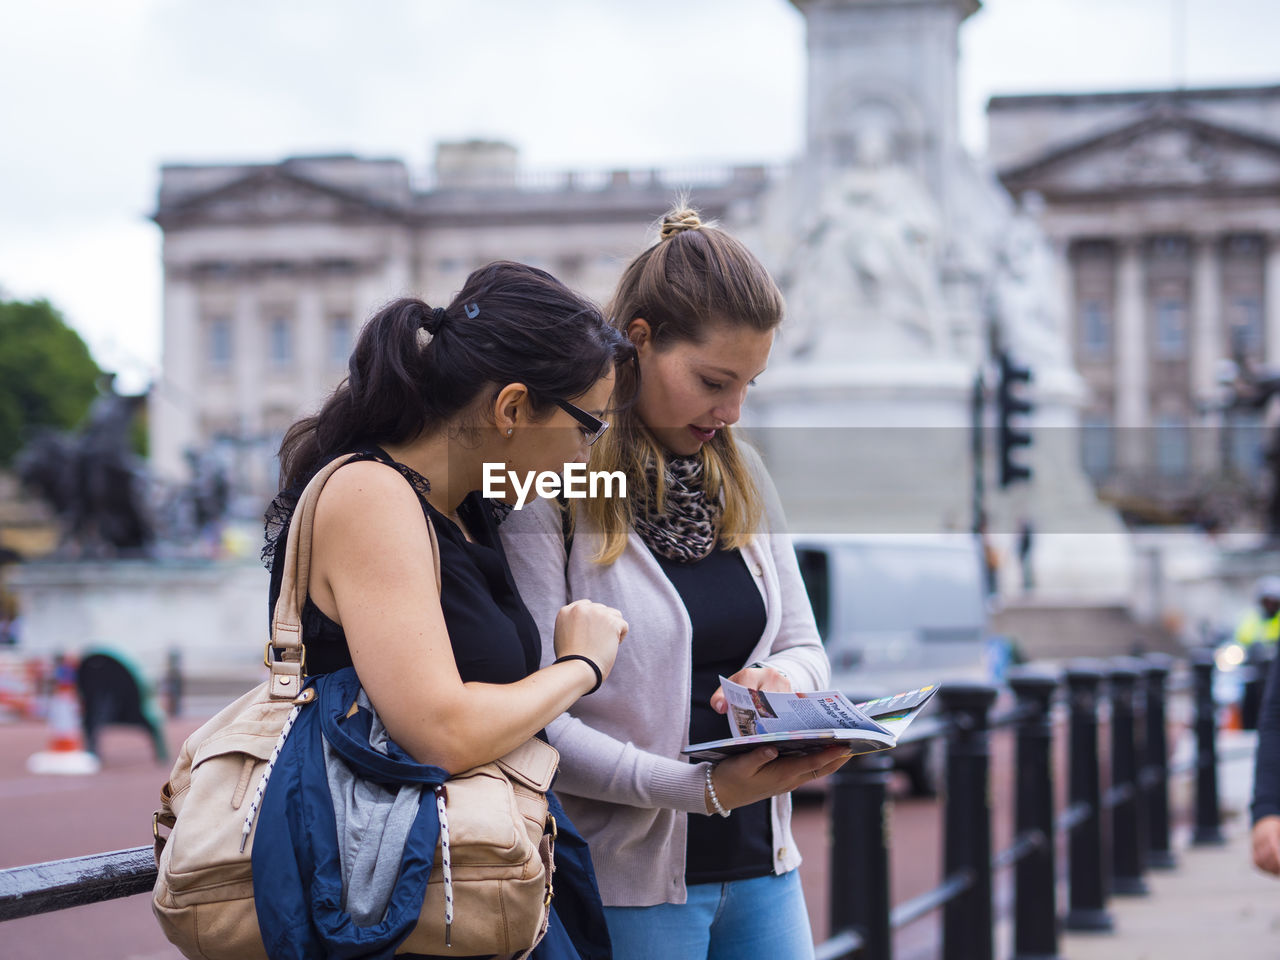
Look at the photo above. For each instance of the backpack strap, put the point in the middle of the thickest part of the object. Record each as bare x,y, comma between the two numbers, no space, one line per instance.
288,670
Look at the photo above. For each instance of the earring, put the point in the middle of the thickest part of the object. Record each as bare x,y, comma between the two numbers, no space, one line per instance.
509,431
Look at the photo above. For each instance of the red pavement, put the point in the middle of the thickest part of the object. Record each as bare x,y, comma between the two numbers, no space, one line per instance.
50,817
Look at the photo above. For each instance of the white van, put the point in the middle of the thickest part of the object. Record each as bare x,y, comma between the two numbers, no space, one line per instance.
897,611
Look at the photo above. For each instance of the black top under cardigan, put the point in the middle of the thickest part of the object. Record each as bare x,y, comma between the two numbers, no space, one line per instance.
728,616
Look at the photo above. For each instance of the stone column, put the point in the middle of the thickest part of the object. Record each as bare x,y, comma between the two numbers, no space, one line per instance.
1271,296
312,341
1208,345
1064,321
248,360
1132,401
172,416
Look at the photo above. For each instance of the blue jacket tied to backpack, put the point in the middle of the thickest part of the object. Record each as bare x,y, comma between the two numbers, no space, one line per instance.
298,858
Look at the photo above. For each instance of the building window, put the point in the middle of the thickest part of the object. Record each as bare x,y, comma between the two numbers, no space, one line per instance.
1246,325
1245,443
339,339
280,342
338,267
1247,245
219,345
1095,329
213,270
1173,454
1097,445
1171,329
1170,248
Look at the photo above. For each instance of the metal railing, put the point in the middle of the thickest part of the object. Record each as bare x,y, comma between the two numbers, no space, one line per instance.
1137,805
1136,808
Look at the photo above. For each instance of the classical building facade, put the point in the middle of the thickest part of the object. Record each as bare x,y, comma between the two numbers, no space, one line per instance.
1165,207
270,269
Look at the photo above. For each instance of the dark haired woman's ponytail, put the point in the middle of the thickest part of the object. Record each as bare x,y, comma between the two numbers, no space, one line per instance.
381,399
387,356
434,320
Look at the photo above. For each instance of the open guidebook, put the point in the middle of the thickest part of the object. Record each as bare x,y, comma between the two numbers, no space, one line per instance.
807,722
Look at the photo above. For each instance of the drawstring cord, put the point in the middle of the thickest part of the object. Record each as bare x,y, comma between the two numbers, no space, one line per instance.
445,867
266,775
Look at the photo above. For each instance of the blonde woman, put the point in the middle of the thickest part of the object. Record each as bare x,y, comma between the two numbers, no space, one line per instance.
694,860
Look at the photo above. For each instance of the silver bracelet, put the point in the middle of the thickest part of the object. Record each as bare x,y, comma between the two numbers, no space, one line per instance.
711,792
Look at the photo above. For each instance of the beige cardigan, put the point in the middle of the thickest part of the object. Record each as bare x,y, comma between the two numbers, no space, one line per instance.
622,778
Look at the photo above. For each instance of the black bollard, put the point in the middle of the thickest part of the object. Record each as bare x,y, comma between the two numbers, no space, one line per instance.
1255,672
1086,871
859,874
967,919
1208,831
1035,909
173,683
1128,815
1156,762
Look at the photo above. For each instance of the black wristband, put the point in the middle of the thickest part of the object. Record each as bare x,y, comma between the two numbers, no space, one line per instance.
590,663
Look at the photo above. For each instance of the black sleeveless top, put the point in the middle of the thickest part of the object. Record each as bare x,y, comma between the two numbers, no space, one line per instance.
494,638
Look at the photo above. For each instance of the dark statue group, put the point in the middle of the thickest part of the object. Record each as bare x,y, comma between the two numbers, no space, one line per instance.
99,488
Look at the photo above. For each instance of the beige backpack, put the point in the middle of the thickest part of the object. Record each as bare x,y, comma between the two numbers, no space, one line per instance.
493,882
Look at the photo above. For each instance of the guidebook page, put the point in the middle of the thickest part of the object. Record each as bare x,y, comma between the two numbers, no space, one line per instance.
895,713
753,712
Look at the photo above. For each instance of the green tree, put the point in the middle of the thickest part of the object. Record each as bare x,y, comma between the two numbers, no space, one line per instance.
47,376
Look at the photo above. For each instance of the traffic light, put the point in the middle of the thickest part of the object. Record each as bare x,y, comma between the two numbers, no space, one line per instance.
1011,407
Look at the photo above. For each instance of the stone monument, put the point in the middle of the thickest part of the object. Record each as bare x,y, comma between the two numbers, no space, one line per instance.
906,267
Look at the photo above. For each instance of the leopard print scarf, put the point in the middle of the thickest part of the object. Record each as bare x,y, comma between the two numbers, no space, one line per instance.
688,528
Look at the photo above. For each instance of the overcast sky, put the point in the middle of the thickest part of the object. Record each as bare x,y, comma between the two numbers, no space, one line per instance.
95,96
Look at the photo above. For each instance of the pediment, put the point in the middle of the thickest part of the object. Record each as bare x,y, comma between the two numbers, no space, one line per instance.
1165,151
272,195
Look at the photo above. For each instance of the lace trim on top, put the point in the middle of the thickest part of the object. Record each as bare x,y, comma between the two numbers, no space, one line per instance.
280,510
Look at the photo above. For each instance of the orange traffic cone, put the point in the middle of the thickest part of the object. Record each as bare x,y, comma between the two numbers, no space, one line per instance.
1234,717
66,752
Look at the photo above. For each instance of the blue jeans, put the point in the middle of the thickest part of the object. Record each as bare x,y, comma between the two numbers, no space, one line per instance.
763,918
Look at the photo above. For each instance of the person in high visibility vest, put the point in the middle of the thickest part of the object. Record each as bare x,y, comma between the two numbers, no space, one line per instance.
1256,636
1261,625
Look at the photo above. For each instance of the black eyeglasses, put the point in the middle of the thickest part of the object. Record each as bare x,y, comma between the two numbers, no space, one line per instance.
592,427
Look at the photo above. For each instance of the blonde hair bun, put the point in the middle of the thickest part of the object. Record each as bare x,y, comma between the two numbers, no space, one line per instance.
679,220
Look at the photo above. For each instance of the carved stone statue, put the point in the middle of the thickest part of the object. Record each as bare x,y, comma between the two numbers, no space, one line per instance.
1027,291
862,278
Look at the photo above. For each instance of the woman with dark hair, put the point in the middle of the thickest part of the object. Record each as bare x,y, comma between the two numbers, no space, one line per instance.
517,370
695,860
